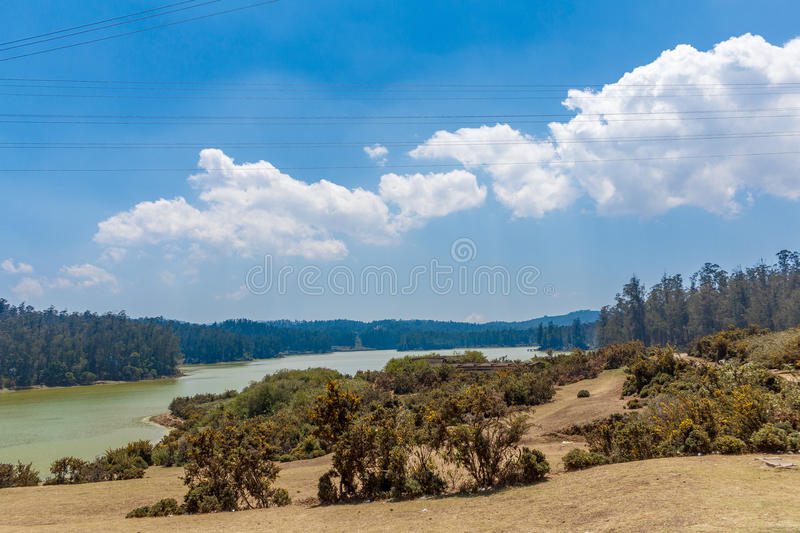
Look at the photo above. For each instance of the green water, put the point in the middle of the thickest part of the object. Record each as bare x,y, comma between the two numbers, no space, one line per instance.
41,425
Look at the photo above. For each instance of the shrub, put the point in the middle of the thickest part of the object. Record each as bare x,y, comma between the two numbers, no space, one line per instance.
697,441
793,441
485,441
526,388
770,438
728,445
622,354
634,403
19,475
371,457
229,469
142,449
578,459
68,470
530,466
326,489
333,412
583,393
165,507
423,477
726,344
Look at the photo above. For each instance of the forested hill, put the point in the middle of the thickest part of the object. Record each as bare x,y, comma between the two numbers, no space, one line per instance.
234,340
58,348
676,312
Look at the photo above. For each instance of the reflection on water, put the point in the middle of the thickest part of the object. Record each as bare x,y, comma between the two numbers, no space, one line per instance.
40,425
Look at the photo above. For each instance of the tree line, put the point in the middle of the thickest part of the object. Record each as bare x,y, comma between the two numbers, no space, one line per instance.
674,312
57,348
235,340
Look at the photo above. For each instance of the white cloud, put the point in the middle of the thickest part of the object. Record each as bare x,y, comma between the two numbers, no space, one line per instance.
377,152
237,295
16,268
87,276
648,108
113,254
254,208
421,197
528,190
475,318
167,278
28,288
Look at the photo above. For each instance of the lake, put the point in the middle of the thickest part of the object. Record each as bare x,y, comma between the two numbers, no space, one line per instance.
41,425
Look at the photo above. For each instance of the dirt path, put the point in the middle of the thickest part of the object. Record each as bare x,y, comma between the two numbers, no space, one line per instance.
566,409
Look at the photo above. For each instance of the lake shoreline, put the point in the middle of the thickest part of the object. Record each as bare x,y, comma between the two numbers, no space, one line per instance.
92,384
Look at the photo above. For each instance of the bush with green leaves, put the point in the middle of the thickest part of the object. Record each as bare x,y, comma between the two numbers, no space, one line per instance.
19,475
529,466
649,373
527,386
621,354
165,507
583,393
229,469
578,459
729,445
770,438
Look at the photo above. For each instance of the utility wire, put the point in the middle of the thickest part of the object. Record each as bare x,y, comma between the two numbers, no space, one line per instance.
394,116
594,97
142,30
339,122
417,165
400,85
112,25
97,22
337,144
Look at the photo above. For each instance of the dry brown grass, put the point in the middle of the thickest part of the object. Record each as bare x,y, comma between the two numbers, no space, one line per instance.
711,493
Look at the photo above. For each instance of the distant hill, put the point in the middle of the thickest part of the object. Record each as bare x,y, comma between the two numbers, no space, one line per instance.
239,339
586,316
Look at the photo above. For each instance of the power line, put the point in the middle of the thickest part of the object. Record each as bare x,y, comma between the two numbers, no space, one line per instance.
337,144
416,166
97,22
410,85
255,122
188,87
142,30
448,98
88,29
395,116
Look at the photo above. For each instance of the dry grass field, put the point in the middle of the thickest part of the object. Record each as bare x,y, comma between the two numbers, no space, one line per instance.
712,493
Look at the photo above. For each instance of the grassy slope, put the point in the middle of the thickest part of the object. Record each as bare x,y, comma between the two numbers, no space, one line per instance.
700,493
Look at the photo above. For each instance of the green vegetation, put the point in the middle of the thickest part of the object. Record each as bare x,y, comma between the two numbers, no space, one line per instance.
19,475
773,350
696,408
763,296
577,459
237,340
128,462
583,393
58,348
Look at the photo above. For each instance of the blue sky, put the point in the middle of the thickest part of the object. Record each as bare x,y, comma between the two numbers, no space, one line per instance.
389,59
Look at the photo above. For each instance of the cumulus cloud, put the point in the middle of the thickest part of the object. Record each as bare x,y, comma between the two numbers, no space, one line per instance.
16,268
87,276
255,208
28,288
377,152
421,197
113,254
641,145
